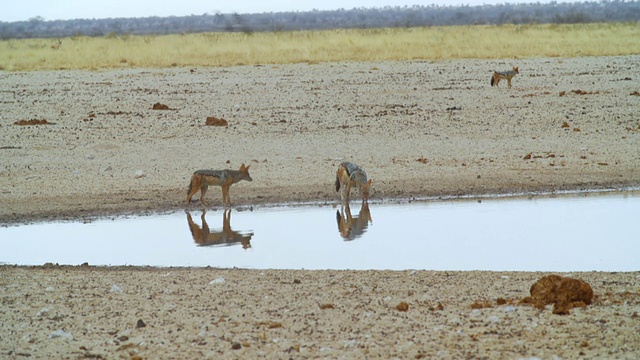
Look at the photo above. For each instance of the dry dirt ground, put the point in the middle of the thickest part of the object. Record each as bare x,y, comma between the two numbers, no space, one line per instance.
420,129
93,313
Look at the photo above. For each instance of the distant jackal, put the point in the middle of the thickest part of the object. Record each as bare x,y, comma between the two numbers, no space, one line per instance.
349,175
497,75
201,179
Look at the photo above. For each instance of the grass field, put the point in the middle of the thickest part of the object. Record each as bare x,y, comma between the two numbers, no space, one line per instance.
228,49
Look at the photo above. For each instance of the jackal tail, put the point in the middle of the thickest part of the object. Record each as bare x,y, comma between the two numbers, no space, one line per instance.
194,183
341,171
495,78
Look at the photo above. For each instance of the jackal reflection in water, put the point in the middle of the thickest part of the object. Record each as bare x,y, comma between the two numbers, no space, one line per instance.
203,236
351,227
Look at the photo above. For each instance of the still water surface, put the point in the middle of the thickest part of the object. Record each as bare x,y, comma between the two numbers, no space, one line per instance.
567,233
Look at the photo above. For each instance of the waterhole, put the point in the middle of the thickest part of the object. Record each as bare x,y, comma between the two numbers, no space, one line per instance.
585,232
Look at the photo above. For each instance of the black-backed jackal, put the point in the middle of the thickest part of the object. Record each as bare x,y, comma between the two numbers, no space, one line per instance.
201,179
348,176
57,45
497,75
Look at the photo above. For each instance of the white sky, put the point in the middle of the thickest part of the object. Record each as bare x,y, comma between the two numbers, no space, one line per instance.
19,10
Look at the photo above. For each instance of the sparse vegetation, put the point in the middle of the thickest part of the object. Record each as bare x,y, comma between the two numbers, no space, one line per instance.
229,49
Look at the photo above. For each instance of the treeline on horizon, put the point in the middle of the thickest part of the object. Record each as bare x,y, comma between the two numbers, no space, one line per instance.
363,18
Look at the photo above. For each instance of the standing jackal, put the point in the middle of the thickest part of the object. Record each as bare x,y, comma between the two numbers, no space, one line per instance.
497,75
201,179
349,175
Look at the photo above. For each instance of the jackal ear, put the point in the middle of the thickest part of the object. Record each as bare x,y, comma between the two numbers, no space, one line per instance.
242,167
515,68
369,182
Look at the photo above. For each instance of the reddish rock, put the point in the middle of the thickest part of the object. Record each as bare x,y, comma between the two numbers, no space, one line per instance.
563,292
159,106
402,306
32,122
214,121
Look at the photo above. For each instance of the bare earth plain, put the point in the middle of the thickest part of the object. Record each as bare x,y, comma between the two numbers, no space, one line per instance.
421,129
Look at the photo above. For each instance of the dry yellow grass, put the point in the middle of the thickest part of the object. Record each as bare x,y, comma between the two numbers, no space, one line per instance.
228,49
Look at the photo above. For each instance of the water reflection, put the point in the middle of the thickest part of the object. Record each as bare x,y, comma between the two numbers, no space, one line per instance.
351,227
578,233
203,236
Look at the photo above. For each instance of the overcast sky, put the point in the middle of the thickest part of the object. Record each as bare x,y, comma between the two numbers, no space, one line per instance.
18,10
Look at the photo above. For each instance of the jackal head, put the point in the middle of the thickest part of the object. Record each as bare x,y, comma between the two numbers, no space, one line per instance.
244,173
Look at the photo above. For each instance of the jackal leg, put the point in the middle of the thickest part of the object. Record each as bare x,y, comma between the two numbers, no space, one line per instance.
348,191
343,191
192,192
226,200
203,191
205,226
194,186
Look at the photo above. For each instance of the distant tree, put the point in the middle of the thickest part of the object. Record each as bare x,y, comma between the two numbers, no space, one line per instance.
572,18
388,16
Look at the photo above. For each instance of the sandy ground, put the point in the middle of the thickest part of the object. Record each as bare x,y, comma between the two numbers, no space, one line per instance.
294,125
85,312
420,129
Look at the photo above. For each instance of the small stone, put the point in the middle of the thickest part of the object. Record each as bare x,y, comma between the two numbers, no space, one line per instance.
403,306
61,334
116,289
159,106
140,324
236,346
214,121
217,281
